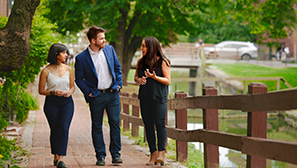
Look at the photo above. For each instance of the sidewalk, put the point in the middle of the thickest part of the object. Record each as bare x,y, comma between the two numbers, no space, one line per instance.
80,153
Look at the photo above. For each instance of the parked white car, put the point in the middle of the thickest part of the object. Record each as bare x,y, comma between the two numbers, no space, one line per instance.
232,50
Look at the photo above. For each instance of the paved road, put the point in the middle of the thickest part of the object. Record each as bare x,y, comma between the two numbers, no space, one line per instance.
80,151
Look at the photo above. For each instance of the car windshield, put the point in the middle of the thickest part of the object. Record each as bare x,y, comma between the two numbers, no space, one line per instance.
223,44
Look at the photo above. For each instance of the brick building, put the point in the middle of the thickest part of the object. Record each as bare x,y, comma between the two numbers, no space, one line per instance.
4,8
290,42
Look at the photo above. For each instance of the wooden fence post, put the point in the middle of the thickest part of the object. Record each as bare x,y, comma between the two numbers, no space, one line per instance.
181,123
257,125
135,113
211,122
126,124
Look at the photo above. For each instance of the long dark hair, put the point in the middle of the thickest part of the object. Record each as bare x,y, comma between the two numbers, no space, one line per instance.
153,51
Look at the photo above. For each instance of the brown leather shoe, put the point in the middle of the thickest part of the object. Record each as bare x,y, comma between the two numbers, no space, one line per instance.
152,159
161,157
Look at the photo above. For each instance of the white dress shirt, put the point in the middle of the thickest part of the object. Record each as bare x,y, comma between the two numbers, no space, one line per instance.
102,69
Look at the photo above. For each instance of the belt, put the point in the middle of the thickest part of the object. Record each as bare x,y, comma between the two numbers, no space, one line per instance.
105,90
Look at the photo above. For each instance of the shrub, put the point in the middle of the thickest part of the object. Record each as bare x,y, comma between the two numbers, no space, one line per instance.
15,103
5,150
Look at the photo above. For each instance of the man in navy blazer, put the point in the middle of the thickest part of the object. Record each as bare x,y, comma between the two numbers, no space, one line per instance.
98,75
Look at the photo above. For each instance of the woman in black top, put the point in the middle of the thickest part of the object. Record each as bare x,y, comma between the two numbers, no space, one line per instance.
153,75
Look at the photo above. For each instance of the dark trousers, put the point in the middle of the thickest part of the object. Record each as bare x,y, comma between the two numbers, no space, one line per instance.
110,101
154,113
59,113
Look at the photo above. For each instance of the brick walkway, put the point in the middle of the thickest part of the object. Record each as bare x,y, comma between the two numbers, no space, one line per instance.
80,151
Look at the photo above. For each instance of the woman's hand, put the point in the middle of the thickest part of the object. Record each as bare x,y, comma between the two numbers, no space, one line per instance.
142,80
150,75
67,94
59,93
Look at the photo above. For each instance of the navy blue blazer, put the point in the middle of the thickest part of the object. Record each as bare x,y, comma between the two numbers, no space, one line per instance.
85,74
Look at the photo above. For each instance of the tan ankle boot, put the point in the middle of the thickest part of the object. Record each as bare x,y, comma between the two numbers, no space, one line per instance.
152,159
161,157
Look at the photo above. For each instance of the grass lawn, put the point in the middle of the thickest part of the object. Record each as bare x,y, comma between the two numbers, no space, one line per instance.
248,70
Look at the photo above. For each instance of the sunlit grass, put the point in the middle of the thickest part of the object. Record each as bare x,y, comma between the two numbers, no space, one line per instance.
195,157
249,70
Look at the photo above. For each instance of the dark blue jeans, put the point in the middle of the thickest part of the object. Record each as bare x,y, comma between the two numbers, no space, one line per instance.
154,113
110,101
59,113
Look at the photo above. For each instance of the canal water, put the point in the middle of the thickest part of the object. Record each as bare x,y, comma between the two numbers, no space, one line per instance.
233,122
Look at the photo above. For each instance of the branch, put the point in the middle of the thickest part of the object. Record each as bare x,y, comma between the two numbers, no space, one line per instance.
183,4
135,41
131,27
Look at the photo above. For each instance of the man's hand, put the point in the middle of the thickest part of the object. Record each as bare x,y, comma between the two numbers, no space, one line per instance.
118,89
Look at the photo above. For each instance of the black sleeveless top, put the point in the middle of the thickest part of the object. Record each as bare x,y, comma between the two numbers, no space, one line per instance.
153,88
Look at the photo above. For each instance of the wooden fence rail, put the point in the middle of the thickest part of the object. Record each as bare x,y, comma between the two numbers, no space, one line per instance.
255,144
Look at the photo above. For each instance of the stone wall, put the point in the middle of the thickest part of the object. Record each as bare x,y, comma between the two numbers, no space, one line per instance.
291,118
225,87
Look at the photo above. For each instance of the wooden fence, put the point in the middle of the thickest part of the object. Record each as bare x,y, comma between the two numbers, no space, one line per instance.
244,79
255,145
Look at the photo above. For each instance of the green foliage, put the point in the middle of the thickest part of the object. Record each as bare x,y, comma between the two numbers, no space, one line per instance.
161,18
215,32
271,16
29,102
3,122
15,102
3,21
129,21
6,146
276,164
241,20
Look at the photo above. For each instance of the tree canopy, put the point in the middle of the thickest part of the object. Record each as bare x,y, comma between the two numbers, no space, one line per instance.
215,32
129,21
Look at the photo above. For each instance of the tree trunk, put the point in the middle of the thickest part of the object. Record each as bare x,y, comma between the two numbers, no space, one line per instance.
14,37
129,52
125,48
119,47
